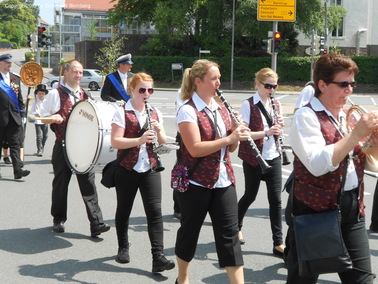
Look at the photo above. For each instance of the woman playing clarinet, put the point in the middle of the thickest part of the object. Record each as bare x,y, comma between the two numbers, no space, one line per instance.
130,132
257,113
208,135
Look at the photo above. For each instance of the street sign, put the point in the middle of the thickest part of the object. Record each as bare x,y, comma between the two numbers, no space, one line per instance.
276,10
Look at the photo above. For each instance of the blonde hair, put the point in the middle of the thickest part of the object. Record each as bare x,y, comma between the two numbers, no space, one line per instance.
137,78
263,74
198,70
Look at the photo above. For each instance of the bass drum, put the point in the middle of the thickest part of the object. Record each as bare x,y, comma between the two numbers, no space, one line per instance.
87,136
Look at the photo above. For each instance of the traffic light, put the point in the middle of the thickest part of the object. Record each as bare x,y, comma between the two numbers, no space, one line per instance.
41,36
267,45
32,41
316,44
277,41
322,47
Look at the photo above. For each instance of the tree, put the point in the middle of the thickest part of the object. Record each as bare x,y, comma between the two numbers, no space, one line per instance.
17,20
93,34
185,26
107,55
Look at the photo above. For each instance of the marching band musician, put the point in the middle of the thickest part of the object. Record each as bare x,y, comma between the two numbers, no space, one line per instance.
57,106
257,113
115,85
12,109
208,136
321,143
136,170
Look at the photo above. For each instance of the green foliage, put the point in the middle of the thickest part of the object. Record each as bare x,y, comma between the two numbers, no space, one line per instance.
184,26
17,20
93,34
289,69
107,55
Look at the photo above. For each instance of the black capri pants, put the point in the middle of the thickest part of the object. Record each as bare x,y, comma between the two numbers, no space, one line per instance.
221,203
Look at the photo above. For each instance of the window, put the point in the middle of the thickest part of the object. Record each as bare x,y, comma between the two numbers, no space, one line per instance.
339,31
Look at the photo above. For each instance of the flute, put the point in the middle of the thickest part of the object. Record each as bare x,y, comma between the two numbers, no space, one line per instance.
263,164
159,165
282,150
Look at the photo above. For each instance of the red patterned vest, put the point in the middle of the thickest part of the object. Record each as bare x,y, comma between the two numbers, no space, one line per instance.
255,124
65,109
207,171
131,131
320,193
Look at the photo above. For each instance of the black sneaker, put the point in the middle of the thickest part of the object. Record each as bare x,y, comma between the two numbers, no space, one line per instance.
160,263
123,255
7,161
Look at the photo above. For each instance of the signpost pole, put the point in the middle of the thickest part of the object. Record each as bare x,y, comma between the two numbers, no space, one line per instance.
274,54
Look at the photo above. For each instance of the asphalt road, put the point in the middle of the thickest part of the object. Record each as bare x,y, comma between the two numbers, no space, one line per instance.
31,253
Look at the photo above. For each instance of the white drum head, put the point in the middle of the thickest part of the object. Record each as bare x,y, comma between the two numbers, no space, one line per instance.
82,137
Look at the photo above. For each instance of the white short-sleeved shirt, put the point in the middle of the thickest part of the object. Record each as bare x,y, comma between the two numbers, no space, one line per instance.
306,140
143,164
269,149
187,114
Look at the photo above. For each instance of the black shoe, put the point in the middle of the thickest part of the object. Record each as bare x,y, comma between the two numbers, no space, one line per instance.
98,229
277,252
177,215
58,227
123,255
21,173
160,263
1,175
7,161
39,153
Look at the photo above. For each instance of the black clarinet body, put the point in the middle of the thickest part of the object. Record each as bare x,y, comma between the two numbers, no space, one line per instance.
281,149
159,165
263,164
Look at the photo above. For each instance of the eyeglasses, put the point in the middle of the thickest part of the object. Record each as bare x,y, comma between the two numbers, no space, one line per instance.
269,86
344,84
149,90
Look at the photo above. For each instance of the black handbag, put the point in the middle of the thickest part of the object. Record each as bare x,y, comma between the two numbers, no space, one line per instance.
319,241
108,172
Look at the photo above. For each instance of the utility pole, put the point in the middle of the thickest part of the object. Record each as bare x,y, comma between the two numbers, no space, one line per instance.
274,54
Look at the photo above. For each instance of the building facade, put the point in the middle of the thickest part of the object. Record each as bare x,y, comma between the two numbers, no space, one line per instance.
358,32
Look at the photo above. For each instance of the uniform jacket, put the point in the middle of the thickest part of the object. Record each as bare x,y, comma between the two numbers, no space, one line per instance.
8,110
109,92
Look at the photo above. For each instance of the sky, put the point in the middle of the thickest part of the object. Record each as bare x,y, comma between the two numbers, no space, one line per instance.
46,9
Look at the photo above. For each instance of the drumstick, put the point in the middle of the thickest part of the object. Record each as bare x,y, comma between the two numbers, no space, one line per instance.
33,118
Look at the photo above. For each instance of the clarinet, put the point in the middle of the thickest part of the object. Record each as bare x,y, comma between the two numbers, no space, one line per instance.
159,166
263,164
281,149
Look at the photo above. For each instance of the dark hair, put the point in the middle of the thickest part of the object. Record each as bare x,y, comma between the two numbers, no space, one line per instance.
327,66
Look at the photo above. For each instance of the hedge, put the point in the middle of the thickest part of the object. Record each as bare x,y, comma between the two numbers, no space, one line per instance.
289,68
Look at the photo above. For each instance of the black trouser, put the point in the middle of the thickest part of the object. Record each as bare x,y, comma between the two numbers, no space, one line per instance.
355,238
41,131
149,184
62,177
273,179
176,205
12,133
374,212
221,203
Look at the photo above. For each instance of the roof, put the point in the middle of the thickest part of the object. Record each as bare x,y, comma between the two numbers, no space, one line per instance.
90,5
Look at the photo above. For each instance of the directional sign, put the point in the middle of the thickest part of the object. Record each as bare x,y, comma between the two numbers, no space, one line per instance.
276,10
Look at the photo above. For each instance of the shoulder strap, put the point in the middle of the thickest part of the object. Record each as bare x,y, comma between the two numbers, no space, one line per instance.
119,87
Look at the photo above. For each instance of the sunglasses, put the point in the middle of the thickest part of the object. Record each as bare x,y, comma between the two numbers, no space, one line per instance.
269,86
344,84
149,90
